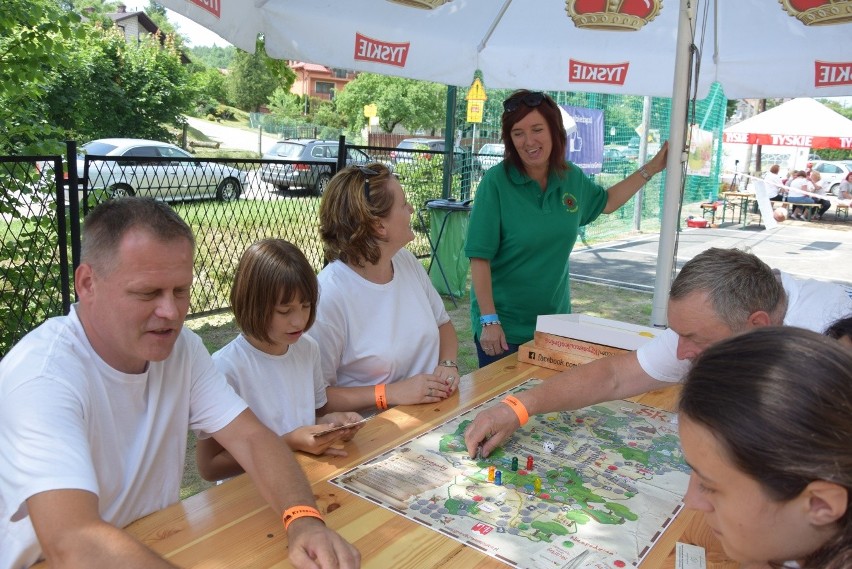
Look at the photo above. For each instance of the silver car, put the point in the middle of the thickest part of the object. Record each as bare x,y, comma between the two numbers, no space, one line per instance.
490,155
282,166
135,171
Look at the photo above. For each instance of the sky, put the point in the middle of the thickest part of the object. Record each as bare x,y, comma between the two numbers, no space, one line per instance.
197,35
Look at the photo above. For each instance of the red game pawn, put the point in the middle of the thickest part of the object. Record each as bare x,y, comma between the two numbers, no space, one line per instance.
529,462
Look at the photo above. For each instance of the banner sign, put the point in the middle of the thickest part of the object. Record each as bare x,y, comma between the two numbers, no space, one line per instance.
585,129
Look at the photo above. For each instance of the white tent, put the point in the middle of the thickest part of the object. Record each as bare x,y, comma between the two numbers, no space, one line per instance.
802,122
754,48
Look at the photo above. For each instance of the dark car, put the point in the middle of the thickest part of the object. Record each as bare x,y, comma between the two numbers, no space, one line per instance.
320,157
614,160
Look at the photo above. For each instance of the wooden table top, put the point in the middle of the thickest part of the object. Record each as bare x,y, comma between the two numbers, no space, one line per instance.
231,526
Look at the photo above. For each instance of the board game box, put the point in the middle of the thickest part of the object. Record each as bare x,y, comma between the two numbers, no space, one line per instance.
591,488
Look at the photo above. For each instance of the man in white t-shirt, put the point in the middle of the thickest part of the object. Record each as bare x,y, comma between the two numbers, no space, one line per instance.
95,407
717,294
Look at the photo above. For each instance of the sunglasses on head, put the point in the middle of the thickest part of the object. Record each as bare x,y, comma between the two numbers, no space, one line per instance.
367,173
533,99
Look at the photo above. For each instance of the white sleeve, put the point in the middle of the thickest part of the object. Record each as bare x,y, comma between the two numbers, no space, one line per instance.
320,397
435,301
329,331
213,402
658,358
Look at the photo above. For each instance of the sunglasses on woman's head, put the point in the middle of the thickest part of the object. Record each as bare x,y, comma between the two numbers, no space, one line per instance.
533,99
367,173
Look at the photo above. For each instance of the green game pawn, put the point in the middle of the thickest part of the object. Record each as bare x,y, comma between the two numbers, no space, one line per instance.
515,464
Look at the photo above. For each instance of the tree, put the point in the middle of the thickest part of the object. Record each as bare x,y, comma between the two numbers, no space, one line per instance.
113,88
416,105
32,33
254,76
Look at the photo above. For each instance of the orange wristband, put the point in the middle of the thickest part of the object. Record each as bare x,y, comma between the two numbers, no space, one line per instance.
296,512
381,396
519,409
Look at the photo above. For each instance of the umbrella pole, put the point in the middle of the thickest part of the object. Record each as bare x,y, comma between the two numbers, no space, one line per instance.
674,170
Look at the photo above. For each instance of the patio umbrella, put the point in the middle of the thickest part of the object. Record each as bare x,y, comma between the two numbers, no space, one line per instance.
754,48
802,122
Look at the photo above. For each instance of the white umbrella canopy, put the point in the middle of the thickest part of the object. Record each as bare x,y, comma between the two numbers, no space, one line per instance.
754,48
802,122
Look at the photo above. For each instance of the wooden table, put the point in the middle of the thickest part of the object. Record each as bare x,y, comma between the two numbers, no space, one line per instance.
735,200
231,526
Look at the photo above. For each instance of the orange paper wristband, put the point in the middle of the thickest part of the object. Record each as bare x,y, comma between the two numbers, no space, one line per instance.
519,409
296,512
381,396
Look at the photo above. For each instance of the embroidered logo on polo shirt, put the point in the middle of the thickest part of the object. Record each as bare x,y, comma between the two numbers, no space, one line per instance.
570,203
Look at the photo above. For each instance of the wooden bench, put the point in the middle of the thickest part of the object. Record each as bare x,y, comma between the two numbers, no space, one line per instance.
711,209
841,208
809,208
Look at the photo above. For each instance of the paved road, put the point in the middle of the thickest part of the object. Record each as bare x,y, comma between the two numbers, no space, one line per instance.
232,138
806,250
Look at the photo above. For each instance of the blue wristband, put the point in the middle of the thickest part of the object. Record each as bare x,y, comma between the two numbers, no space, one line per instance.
488,319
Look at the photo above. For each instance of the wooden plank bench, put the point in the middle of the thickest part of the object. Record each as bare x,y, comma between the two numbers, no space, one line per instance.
809,208
841,208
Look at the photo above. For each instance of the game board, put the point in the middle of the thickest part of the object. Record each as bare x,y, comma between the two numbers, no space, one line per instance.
605,482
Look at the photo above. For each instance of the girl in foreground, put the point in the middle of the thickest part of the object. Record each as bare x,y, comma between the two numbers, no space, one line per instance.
766,425
270,364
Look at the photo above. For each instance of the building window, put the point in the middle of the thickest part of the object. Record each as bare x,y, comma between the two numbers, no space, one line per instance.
340,73
324,87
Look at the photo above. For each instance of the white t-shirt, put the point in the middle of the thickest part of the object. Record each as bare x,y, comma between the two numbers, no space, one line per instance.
798,187
772,184
811,304
70,421
372,333
283,391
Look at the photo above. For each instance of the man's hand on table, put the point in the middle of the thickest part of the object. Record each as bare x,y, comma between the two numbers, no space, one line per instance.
490,428
314,546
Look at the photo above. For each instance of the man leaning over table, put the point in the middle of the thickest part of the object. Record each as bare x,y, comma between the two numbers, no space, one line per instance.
717,294
95,407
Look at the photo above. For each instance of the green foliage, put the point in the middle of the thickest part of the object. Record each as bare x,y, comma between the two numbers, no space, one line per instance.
112,88
285,105
415,105
213,56
32,38
254,77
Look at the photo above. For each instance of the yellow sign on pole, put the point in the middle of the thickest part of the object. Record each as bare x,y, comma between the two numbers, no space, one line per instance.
475,101
371,111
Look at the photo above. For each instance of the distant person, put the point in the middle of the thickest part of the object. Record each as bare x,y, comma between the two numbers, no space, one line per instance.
95,407
717,294
820,189
272,364
773,184
526,216
796,194
765,422
844,191
385,337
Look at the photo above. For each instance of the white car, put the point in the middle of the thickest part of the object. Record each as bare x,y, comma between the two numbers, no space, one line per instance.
138,167
832,173
490,155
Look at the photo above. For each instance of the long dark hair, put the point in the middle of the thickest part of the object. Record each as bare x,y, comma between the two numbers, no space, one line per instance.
779,400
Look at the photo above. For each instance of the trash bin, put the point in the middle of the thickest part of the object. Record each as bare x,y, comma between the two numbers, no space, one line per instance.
448,267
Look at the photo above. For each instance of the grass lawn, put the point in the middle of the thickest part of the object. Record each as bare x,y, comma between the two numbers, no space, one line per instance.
595,300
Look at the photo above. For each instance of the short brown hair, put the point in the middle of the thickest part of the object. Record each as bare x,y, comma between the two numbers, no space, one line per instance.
348,218
271,272
107,224
550,111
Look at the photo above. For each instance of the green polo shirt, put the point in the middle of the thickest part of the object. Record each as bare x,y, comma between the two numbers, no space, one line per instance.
528,236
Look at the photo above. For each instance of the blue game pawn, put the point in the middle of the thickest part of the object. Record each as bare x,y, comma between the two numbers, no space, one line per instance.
498,478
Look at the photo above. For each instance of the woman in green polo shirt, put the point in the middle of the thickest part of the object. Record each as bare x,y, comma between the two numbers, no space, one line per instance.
524,223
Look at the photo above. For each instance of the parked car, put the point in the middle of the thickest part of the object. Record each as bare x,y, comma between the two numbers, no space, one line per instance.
320,157
177,175
832,172
405,151
490,155
614,160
